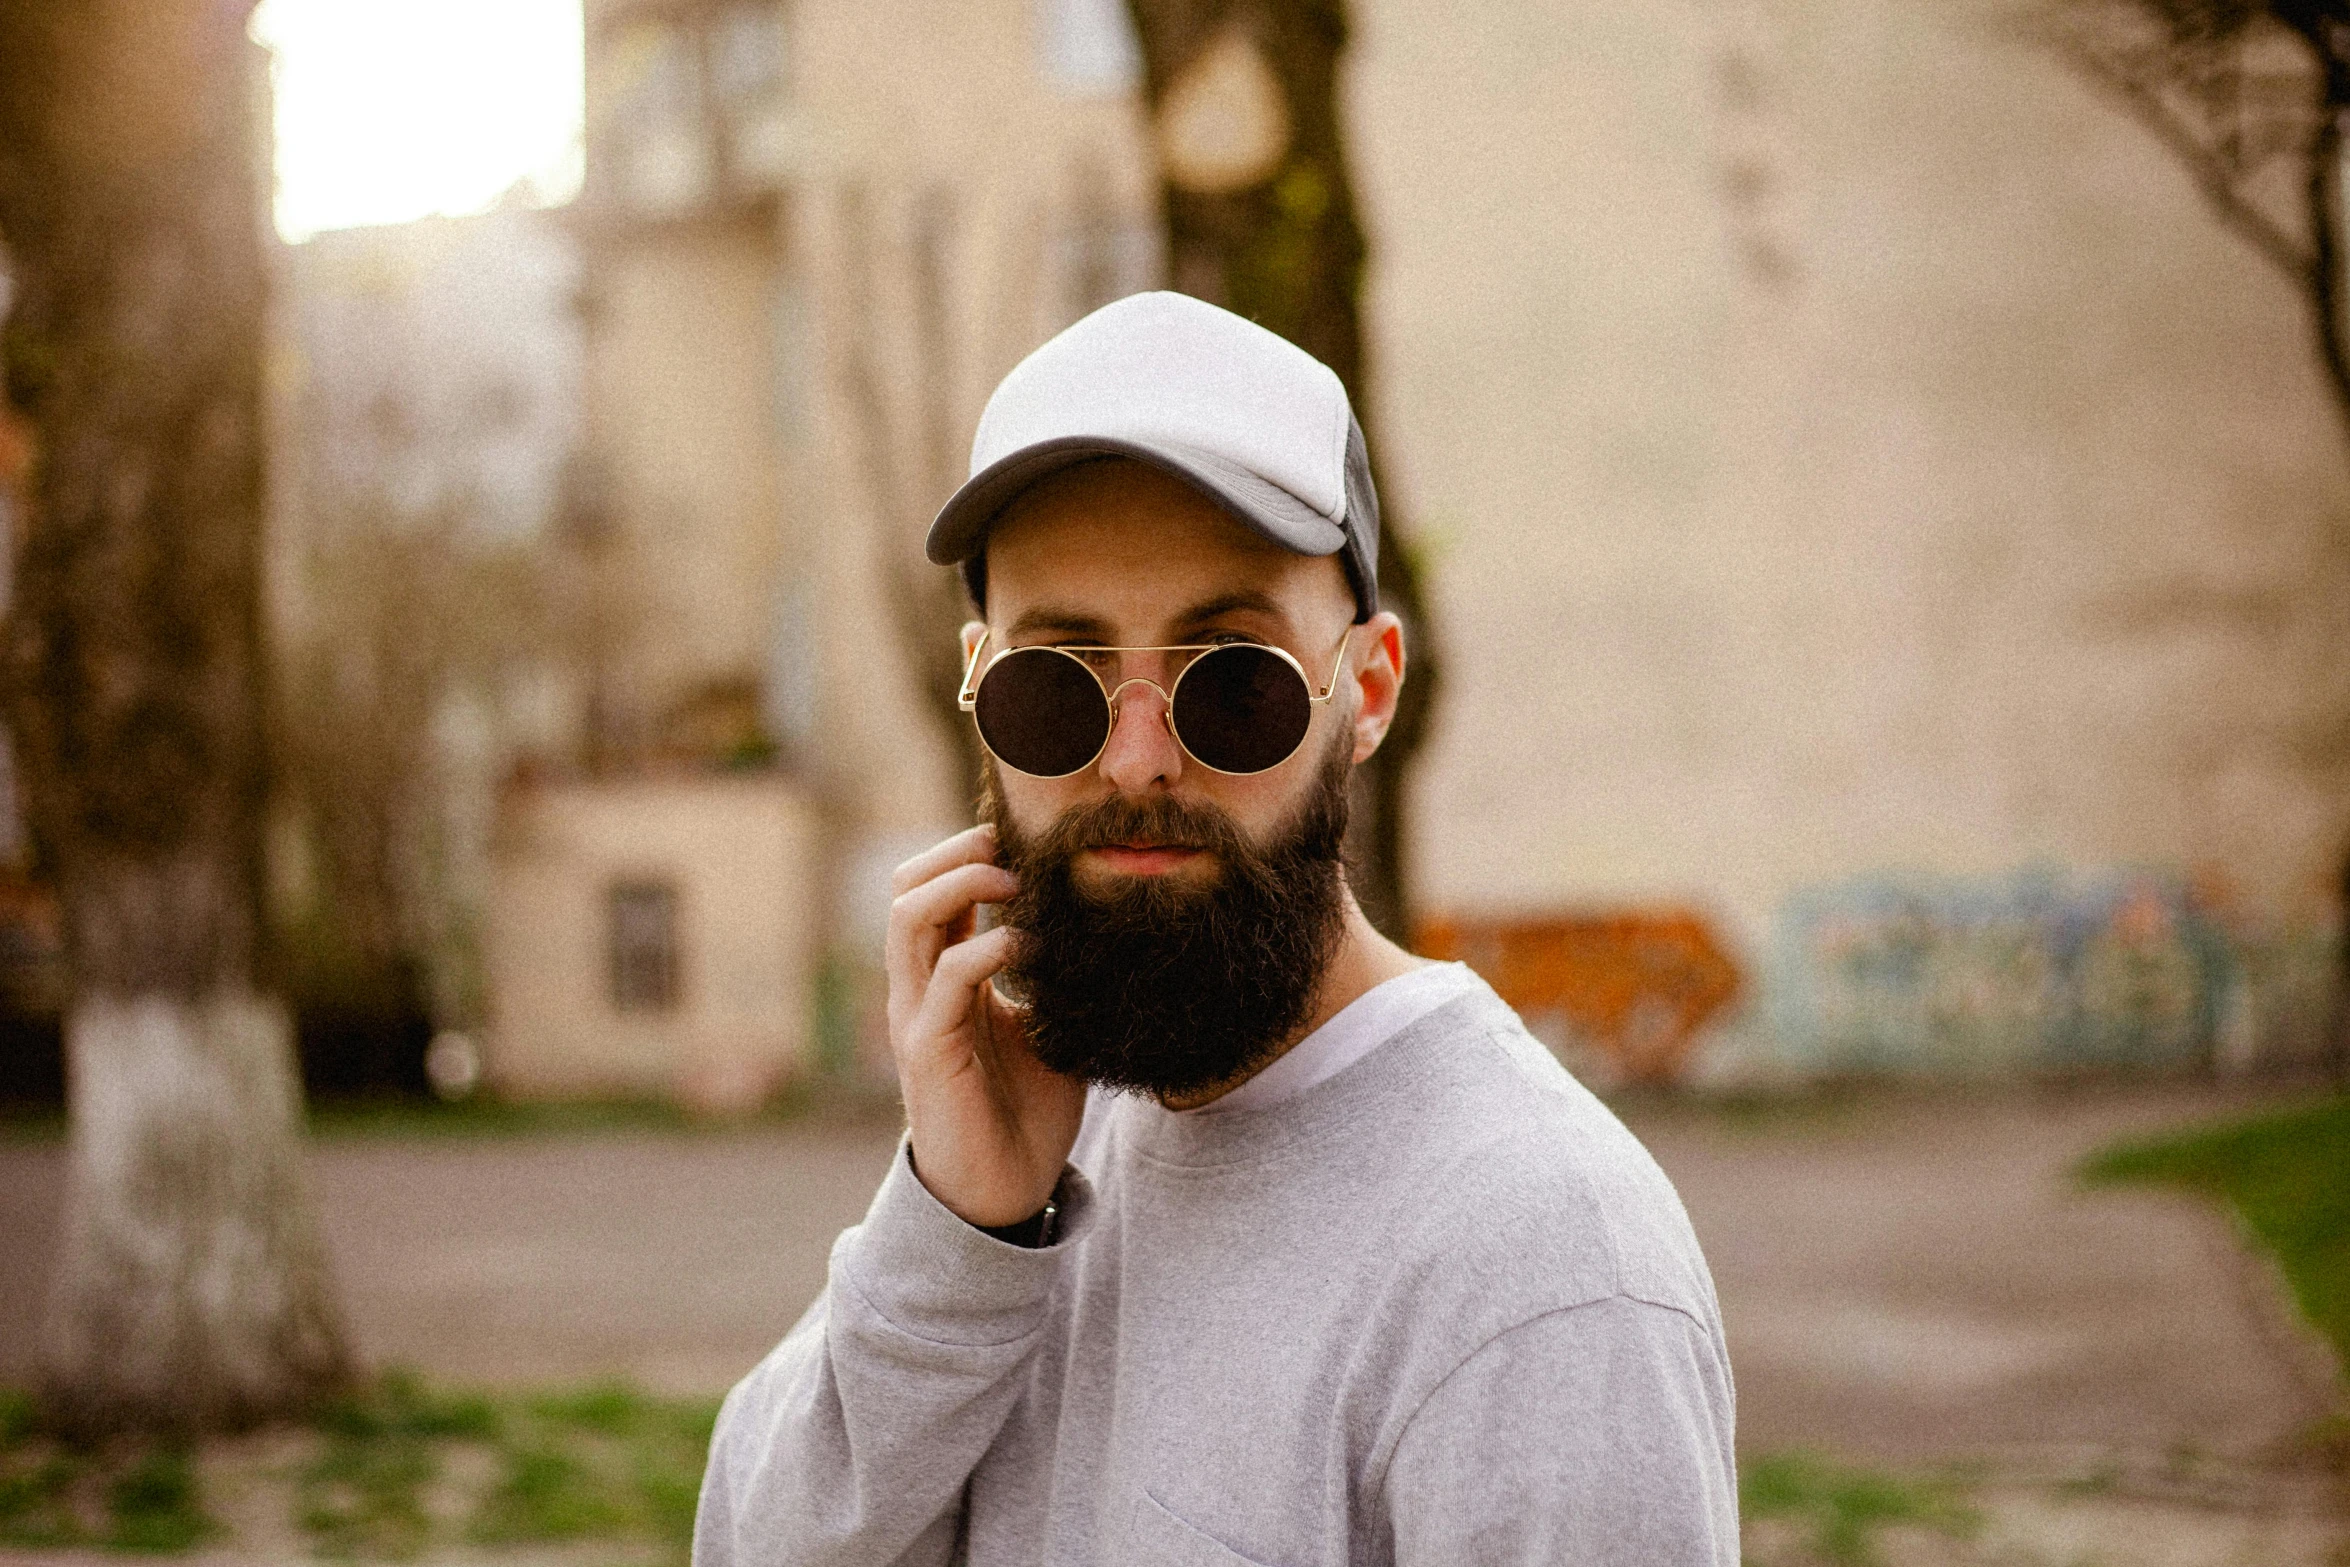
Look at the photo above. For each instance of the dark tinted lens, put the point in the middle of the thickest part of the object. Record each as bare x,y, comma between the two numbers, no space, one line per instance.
1242,709
1042,712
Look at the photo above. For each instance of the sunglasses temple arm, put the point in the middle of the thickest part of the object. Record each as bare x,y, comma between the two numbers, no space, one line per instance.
1336,665
966,697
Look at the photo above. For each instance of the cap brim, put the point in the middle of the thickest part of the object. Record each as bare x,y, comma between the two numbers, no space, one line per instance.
960,529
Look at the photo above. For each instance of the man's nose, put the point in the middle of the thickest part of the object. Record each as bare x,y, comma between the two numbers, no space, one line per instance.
1142,753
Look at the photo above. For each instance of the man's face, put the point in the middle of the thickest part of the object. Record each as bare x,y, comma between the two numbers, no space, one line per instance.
1114,553
1175,921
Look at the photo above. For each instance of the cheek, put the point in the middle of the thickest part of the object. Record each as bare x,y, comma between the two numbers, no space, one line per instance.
1034,804
1260,802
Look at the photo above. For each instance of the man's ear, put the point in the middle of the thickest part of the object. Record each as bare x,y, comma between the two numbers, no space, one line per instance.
1378,661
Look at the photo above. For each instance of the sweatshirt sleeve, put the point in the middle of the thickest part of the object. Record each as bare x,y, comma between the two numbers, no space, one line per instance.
1598,1436
852,1441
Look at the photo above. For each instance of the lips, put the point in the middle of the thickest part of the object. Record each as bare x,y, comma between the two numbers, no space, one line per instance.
1145,859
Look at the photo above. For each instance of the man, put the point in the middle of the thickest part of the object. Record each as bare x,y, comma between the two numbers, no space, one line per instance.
1334,1264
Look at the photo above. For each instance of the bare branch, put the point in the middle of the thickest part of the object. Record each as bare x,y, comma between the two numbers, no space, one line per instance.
2217,175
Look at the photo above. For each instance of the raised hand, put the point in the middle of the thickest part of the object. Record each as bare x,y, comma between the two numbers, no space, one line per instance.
991,1126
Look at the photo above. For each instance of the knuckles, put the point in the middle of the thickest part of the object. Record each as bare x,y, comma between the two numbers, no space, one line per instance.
970,884
915,872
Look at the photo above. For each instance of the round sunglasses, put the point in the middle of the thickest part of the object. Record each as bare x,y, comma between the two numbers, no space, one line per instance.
1237,707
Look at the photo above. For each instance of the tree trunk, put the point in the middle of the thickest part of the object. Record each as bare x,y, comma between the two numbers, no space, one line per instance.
1261,220
2323,197
191,1287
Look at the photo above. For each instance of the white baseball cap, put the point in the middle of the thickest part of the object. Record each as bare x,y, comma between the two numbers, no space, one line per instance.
1257,423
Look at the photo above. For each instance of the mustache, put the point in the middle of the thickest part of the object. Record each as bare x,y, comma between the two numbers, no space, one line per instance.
1119,821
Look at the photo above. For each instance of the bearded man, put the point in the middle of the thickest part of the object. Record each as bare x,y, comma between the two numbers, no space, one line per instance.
1225,1230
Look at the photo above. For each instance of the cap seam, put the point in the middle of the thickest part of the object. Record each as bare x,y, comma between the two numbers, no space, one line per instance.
1344,419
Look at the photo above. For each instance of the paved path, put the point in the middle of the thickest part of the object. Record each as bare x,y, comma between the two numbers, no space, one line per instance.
1903,1277
1913,1277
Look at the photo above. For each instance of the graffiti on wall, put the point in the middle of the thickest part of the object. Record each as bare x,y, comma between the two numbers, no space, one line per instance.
2044,970
1623,993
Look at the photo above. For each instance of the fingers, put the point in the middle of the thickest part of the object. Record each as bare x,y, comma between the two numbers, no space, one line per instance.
923,919
973,843
954,984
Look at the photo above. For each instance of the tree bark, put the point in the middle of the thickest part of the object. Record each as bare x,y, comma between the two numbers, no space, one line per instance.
1286,251
2323,197
191,1287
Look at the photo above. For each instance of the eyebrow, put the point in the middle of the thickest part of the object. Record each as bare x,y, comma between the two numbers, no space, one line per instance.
1069,622
1077,623
1246,601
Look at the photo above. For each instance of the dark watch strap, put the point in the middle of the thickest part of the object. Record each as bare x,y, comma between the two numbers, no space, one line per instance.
1035,1232
1039,1230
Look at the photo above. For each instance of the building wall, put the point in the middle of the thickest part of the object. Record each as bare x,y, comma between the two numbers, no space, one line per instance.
737,854
682,388
1870,501
1873,510
939,190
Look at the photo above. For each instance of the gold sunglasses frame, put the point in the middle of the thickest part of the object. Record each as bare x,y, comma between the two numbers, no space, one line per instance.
967,696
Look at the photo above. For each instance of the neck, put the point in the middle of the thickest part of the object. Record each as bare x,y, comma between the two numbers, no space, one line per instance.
1364,958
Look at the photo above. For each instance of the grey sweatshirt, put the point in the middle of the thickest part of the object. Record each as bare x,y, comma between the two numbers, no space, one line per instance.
1439,1309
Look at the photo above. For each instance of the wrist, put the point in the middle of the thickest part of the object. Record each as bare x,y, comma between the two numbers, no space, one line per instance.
1001,1220
1033,1233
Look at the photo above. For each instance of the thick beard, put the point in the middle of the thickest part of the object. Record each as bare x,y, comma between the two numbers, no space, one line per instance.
1164,989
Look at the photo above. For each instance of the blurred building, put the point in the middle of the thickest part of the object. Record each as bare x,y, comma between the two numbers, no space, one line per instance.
1873,505
654,936
812,237
1884,533
426,402
432,366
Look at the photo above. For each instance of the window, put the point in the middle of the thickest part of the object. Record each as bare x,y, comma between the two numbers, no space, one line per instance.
644,946
692,105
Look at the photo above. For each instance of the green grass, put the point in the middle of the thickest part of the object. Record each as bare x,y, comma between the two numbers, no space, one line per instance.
125,1496
600,1462
31,1124
1843,1508
363,1492
137,1497
2286,1177
392,1472
153,1505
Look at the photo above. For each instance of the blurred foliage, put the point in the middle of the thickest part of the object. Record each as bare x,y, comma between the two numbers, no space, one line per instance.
363,1493
1842,1509
2209,19
2285,1176
2248,96
152,1505
128,1496
393,619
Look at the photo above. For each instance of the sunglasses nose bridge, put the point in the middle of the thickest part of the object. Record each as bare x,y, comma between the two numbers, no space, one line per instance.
1118,701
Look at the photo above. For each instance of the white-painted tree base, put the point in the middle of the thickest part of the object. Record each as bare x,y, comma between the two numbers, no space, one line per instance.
191,1286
